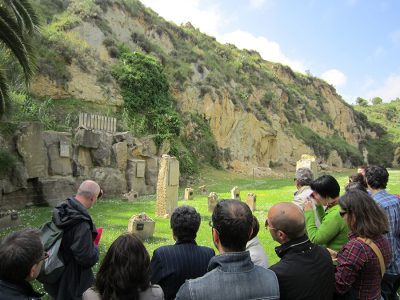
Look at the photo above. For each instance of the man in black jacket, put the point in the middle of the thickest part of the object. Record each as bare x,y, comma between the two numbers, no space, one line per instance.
305,270
21,257
79,252
172,265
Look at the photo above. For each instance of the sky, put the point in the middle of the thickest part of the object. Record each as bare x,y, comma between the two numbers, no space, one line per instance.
352,44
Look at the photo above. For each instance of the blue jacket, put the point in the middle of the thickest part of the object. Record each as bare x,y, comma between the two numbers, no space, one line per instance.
172,265
232,276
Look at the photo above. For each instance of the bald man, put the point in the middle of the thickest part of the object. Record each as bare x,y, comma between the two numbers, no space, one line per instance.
305,270
79,252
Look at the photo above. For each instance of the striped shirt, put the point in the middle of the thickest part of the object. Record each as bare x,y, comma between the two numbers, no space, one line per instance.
391,204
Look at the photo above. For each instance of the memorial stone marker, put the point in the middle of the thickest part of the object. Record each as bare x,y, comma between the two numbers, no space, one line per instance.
167,186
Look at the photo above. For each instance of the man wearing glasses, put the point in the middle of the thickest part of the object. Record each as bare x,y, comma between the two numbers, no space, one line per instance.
21,258
78,249
305,270
231,275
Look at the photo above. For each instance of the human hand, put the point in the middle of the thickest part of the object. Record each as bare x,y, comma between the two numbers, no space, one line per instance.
308,204
333,253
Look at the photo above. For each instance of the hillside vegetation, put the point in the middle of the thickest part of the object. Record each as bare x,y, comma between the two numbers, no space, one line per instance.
217,104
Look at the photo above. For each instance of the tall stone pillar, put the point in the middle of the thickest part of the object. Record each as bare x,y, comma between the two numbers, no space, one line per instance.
167,186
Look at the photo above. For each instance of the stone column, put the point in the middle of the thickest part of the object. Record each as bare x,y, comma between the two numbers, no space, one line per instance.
167,186
188,194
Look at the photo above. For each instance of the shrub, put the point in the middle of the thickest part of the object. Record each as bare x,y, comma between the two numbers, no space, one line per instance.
380,151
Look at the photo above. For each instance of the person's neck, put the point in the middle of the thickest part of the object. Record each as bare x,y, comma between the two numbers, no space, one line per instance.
374,191
82,200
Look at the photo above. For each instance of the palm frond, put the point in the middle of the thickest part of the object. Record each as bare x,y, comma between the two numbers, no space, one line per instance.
14,40
25,14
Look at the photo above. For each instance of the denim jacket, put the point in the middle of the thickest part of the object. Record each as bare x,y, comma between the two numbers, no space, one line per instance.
231,276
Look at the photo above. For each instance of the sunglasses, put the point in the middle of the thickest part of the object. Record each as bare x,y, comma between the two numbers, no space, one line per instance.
342,213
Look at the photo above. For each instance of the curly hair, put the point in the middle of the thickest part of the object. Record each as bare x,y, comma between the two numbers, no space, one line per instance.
185,222
304,176
377,177
370,220
19,251
233,220
125,269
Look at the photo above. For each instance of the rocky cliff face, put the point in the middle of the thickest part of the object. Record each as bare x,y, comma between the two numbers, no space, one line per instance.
250,111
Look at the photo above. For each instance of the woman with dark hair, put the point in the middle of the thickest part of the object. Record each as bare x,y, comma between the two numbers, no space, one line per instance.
257,253
332,233
361,263
124,273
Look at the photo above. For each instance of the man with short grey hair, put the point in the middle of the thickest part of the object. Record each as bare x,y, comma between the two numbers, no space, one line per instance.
302,180
78,249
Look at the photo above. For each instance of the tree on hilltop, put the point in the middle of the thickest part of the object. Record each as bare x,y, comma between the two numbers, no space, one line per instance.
18,22
376,100
361,101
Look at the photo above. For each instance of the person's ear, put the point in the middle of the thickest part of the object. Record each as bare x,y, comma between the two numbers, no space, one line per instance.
33,272
215,236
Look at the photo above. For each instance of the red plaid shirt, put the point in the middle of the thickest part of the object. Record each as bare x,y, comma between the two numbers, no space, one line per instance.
358,268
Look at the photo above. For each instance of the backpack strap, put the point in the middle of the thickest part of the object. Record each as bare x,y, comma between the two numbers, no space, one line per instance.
377,252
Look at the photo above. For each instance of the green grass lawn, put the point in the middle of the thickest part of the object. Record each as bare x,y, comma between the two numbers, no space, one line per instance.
113,214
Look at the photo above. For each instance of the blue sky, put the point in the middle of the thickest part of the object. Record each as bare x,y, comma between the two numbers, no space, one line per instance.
352,44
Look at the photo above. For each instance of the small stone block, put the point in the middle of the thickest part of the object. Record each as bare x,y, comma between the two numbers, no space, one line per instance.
142,226
235,193
251,201
212,201
188,194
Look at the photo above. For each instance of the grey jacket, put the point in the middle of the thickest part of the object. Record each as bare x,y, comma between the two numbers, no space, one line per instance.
257,253
232,276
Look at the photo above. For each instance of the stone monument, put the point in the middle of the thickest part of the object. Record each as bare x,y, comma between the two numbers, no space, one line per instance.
188,194
142,226
203,190
235,193
212,201
307,161
251,201
167,186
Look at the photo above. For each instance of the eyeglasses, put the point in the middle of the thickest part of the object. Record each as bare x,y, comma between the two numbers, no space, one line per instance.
342,213
44,256
267,225
100,194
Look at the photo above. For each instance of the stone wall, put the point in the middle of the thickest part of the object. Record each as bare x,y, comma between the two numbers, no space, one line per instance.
50,165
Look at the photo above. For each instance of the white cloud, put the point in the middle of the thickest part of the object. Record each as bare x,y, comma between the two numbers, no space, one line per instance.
179,11
388,91
211,20
269,50
257,3
334,77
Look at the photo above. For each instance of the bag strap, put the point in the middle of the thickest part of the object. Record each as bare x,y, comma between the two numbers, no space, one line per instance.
377,251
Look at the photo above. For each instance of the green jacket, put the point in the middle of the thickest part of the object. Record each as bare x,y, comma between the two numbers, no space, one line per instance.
333,231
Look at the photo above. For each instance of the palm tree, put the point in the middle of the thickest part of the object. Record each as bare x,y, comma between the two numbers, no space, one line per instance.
18,22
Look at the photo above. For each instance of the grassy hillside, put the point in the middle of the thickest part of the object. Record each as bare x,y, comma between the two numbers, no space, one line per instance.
387,116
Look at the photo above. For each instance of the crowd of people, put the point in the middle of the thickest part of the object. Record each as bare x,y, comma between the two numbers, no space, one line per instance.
330,247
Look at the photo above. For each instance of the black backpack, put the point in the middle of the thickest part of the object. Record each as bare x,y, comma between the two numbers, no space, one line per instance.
53,267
